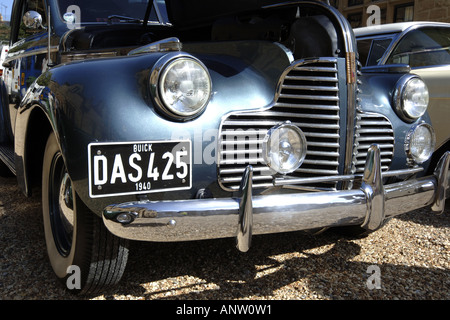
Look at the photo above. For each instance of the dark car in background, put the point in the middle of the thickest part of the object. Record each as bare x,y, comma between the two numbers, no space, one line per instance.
185,120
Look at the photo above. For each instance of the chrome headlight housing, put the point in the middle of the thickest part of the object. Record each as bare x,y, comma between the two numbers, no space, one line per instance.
181,86
411,98
420,143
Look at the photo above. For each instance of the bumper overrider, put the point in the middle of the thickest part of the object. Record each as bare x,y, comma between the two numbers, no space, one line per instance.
369,206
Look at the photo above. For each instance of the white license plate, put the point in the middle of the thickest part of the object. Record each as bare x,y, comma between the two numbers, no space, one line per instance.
139,167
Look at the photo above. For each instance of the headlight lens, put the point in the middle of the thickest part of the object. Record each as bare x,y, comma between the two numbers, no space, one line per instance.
184,87
415,98
420,143
412,99
284,148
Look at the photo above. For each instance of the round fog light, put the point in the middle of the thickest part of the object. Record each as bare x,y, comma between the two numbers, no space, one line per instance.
284,148
420,143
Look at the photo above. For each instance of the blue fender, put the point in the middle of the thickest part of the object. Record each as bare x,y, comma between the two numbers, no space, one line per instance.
376,95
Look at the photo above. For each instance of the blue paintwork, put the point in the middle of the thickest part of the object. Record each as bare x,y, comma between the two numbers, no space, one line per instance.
377,90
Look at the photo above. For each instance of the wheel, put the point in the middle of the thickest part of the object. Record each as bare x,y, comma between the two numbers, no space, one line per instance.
84,255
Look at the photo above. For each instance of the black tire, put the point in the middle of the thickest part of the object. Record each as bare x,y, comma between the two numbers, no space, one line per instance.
74,235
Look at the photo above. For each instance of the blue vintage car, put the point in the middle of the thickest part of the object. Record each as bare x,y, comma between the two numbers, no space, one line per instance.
184,120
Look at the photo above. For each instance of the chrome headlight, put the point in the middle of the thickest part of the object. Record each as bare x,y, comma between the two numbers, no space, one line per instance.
420,143
284,148
411,98
183,87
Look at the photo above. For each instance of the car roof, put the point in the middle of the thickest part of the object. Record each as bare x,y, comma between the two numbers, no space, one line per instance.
395,27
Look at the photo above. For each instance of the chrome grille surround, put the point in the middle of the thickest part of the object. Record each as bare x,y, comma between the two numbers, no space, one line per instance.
309,98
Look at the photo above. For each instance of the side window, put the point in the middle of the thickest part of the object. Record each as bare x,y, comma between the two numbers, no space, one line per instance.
379,47
372,50
363,50
424,47
31,5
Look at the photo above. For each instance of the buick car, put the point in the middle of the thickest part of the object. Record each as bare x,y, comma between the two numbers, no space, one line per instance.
177,120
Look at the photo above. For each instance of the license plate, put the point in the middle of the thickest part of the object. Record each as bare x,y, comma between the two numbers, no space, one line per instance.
139,167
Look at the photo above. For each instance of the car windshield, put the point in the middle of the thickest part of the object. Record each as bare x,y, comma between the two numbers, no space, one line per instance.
423,47
101,11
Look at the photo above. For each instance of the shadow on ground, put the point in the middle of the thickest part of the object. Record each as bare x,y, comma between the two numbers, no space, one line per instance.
274,262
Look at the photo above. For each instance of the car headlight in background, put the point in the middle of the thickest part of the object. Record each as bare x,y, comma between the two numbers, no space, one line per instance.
420,143
181,86
284,148
411,98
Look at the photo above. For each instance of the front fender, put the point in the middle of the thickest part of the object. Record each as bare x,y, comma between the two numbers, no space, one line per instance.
109,100
376,92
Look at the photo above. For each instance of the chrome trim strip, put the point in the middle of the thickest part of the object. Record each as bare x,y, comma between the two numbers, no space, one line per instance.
165,45
350,133
23,54
71,57
49,42
349,177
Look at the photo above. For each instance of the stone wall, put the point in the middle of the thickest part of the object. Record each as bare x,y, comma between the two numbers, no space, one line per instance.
432,10
424,10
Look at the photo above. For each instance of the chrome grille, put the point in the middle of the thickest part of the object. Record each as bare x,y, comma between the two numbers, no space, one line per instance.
373,128
309,99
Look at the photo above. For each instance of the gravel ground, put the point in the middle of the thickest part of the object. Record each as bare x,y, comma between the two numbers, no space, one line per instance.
411,255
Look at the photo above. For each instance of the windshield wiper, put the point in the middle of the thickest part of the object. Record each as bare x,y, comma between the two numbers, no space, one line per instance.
119,17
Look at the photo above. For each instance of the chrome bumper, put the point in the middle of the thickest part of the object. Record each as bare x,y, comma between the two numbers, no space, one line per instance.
198,219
